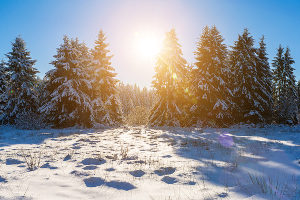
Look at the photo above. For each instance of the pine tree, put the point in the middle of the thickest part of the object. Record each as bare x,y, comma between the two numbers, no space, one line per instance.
131,96
125,94
69,87
245,87
213,97
20,94
171,85
3,85
298,92
264,77
105,99
278,70
285,93
291,107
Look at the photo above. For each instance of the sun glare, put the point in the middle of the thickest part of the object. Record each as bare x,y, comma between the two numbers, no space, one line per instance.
147,45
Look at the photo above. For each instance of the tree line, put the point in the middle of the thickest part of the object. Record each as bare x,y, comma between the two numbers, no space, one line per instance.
80,90
225,86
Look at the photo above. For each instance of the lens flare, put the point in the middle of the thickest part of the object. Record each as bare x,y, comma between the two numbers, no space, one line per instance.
226,140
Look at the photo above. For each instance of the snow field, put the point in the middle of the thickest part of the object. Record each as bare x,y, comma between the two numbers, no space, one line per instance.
143,163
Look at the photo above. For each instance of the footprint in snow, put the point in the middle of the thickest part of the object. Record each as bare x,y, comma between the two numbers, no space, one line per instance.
80,174
137,173
3,180
223,195
12,161
97,181
110,169
68,157
165,171
93,161
119,185
94,181
140,162
190,183
169,180
90,167
47,165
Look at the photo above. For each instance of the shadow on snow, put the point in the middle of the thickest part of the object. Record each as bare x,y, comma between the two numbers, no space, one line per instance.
11,136
272,152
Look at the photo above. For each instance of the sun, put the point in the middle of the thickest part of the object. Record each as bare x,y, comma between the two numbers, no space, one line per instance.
147,44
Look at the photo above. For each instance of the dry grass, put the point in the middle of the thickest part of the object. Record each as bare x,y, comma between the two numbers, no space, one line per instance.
274,187
32,159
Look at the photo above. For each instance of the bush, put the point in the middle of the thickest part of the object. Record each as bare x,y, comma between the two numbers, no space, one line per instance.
32,159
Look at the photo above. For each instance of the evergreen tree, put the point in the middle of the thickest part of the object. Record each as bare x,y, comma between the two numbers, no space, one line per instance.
20,94
246,86
131,96
278,70
285,93
298,92
69,87
171,85
3,85
125,93
292,97
105,99
264,77
213,97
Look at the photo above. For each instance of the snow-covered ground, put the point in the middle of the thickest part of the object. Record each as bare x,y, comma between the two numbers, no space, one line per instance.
143,163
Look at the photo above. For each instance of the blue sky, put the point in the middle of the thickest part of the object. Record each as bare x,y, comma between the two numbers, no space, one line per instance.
42,24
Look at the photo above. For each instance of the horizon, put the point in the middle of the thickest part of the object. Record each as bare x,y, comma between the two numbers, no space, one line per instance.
43,24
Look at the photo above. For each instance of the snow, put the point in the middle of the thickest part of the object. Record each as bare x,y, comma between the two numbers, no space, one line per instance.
241,162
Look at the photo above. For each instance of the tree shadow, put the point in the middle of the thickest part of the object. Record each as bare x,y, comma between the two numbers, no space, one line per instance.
11,136
271,152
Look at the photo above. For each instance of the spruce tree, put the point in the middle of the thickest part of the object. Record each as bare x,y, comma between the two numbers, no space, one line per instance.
20,95
68,86
278,70
298,92
285,93
171,85
3,85
292,100
213,97
264,77
106,103
245,87
125,95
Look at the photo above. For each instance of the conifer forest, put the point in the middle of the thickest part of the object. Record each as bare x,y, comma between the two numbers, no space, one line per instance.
149,100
